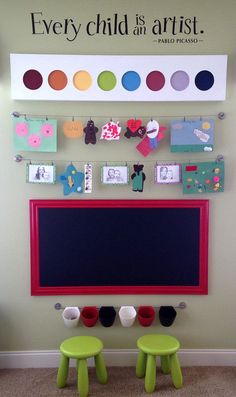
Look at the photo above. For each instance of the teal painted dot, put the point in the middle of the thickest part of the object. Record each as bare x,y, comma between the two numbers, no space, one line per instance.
131,80
106,80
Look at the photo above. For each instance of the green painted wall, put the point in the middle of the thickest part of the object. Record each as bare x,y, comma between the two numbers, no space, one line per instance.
31,323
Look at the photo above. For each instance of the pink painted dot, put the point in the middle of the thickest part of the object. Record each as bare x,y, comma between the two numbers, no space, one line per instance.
22,129
47,130
155,80
34,140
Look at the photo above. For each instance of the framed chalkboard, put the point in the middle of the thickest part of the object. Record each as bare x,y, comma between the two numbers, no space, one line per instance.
119,247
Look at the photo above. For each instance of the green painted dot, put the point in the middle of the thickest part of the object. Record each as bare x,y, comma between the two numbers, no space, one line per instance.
106,80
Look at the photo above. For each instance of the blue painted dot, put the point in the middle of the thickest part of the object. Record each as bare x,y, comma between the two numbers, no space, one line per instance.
204,80
131,80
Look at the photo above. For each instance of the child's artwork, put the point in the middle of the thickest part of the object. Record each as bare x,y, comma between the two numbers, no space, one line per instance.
72,180
38,135
192,135
138,177
73,129
41,173
111,131
115,175
135,129
90,132
88,183
168,173
155,133
203,177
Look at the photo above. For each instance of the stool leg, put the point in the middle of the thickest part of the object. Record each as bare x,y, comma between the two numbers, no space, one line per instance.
101,371
141,364
150,377
165,364
176,371
83,385
62,371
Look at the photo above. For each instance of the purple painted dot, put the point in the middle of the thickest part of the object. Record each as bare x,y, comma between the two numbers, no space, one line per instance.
155,80
179,80
32,79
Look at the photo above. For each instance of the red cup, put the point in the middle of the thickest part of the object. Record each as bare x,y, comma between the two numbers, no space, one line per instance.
146,315
89,315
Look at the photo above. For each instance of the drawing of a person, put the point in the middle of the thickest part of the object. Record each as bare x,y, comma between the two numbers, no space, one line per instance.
40,173
118,176
170,174
110,174
163,173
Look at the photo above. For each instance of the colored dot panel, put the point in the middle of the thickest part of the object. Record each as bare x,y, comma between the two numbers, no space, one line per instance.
131,80
155,80
82,80
204,80
57,80
106,80
179,80
32,79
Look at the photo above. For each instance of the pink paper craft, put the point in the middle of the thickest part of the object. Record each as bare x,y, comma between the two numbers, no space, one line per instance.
144,146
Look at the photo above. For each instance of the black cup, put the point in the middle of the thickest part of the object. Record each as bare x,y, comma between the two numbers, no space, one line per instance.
167,315
107,315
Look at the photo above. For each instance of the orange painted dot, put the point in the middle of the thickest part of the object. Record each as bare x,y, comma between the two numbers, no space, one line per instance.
57,80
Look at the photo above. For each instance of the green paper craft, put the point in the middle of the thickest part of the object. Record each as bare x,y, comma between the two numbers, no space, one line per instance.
37,135
201,178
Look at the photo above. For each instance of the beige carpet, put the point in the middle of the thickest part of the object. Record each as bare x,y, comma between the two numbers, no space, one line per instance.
198,382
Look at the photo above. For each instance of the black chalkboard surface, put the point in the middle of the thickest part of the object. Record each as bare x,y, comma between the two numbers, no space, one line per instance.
119,246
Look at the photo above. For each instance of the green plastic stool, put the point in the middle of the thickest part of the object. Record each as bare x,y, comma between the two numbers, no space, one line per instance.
165,346
81,348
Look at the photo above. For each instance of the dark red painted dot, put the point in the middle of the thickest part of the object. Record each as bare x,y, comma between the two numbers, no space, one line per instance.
155,80
32,79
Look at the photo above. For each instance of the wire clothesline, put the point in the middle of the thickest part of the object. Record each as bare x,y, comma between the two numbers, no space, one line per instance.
220,116
18,158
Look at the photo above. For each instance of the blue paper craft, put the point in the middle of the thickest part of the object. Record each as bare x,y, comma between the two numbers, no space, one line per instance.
72,180
207,177
192,135
35,135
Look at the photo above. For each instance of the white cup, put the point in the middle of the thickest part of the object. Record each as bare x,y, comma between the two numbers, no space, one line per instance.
71,316
127,315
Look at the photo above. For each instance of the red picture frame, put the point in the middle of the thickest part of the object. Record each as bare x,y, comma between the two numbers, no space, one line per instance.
38,289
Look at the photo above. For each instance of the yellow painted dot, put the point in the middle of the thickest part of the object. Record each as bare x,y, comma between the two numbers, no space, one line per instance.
206,125
73,172
82,80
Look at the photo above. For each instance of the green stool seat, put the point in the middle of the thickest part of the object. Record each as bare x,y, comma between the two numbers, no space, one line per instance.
153,345
81,348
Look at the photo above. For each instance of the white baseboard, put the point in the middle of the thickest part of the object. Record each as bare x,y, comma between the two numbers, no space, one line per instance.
116,357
